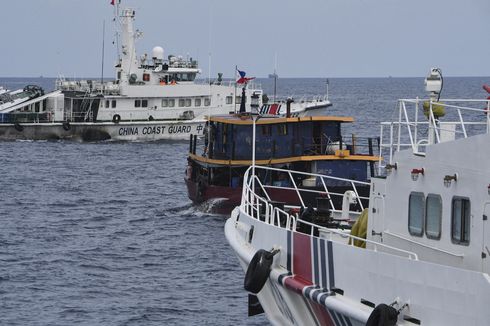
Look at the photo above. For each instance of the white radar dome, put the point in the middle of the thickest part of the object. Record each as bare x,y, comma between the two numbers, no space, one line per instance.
157,53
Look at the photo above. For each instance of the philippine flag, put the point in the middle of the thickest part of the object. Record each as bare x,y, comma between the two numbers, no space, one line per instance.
242,79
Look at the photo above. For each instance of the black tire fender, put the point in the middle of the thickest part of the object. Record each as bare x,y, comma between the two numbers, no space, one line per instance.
66,125
383,315
116,118
18,127
258,271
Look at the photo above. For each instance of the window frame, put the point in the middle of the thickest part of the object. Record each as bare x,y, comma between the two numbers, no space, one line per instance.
464,242
429,236
113,104
137,103
422,231
197,102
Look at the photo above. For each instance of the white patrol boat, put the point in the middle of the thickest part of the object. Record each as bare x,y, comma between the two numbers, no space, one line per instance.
418,254
152,98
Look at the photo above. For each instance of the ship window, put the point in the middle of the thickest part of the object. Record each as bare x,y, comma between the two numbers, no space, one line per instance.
107,103
171,103
433,216
460,220
207,101
188,102
416,205
144,103
164,103
197,102
266,130
229,100
282,129
137,103
238,99
113,103
181,102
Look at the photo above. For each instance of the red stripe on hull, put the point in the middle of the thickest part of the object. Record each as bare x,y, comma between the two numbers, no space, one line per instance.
302,256
296,284
322,315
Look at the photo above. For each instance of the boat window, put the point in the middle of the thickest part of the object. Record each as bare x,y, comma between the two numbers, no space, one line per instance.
171,103
113,103
188,102
137,103
416,208
144,103
266,130
197,102
207,101
229,100
460,220
181,102
238,99
282,129
433,216
107,103
164,103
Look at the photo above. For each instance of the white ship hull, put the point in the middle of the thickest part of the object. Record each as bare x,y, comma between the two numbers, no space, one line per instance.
89,131
308,292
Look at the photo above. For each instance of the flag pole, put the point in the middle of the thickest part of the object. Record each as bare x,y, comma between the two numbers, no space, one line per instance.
234,100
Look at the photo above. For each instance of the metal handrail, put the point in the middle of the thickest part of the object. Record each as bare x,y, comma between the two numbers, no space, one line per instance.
251,203
422,132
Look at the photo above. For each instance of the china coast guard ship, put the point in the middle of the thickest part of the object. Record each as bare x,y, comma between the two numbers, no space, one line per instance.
151,98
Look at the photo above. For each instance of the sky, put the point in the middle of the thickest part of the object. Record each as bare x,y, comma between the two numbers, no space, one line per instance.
309,38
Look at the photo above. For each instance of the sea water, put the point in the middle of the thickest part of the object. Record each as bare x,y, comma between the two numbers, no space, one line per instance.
104,234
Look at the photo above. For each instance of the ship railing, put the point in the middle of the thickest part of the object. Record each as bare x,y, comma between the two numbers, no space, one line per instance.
311,184
262,208
88,86
230,83
423,122
282,99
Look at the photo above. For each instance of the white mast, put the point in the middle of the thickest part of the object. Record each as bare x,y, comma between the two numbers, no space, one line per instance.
129,61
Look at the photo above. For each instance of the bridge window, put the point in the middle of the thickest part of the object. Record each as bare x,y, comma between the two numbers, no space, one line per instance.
171,103
107,103
282,129
433,216
144,103
207,101
229,100
266,130
416,209
137,103
197,102
113,103
460,220
188,102
164,103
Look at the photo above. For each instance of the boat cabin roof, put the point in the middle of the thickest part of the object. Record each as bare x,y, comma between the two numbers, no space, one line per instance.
246,119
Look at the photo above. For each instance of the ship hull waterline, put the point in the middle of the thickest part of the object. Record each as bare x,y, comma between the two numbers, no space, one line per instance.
103,131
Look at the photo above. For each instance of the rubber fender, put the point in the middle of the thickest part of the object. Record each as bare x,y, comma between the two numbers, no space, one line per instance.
18,127
66,125
383,315
258,271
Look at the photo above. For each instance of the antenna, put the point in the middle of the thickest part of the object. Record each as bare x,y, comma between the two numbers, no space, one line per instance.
275,78
103,50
